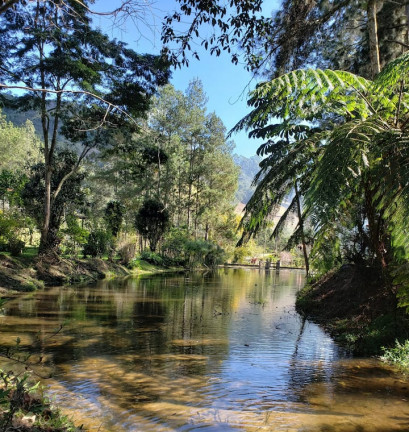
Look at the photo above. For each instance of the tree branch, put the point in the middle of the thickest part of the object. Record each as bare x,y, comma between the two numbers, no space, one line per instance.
110,105
7,5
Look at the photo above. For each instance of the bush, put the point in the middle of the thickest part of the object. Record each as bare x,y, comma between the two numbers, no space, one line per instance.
75,233
11,224
215,256
127,252
398,355
152,258
99,243
201,252
24,404
16,246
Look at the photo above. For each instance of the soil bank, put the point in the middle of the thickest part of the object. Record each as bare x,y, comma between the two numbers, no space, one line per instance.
357,307
24,274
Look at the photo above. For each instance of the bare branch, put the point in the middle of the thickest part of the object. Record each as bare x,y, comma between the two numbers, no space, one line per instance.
111,106
398,42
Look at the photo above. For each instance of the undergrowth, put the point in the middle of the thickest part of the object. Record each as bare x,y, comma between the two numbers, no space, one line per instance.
397,355
25,408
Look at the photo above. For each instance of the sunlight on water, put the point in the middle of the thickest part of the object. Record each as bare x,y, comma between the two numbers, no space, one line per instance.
217,351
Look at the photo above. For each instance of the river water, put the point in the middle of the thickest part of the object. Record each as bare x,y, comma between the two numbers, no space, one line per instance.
216,351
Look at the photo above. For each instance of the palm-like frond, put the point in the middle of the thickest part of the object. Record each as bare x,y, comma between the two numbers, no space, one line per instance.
360,153
306,95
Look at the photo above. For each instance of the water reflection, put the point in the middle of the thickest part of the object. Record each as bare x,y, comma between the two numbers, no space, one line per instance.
213,351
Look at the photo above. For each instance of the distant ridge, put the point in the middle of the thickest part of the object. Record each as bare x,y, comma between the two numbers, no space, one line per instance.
249,167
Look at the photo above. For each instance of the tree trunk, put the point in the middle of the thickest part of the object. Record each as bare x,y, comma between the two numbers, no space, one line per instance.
373,37
301,223
207,229
376,228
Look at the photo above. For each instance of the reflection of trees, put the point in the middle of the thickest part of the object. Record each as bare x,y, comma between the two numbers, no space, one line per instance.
136,340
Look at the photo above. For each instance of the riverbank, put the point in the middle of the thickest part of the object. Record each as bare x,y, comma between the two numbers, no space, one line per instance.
357,307
32,412
24,274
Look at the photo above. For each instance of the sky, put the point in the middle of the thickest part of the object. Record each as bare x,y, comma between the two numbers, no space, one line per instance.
225,84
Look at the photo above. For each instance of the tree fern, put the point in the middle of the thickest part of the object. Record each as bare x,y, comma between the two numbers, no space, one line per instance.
346,140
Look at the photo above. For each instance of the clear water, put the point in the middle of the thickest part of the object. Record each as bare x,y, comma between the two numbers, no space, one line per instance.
209,351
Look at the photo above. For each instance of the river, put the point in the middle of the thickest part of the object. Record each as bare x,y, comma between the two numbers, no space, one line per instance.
215,351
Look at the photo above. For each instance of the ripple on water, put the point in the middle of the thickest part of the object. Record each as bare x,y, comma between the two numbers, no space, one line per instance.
224,351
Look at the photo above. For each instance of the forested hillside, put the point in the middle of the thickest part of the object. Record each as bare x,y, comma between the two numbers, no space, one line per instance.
248,169
249,166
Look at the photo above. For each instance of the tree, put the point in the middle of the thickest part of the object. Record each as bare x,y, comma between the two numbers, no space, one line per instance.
363,153
152,221
70,194
181,158
82,83
234,27
114,214
127,8
354,35
285,173
18,144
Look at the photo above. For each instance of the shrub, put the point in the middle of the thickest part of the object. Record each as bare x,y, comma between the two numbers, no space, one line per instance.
175,245
152,258
16,246
23,401
398,355
11,224
201,252
98,244
127,252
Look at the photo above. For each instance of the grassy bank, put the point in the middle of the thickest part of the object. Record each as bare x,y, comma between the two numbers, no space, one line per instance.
28,273
357,307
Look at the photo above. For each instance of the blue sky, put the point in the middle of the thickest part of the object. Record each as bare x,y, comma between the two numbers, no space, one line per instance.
225,84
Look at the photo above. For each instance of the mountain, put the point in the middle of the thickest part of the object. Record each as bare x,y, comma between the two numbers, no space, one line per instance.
249,167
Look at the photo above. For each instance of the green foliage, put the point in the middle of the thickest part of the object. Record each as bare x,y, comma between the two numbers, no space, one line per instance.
98,244
19,396
184,250
203,253
397,355
152,221
70,197
127,251
152,258
354,162
77,235
12,224
174,245
11,186
241,253
83,85
181,159
114,213
18,145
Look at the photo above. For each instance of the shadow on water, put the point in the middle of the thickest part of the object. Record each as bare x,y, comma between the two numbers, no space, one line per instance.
204,351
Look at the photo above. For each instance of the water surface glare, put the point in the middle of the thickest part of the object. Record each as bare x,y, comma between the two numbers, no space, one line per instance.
219,351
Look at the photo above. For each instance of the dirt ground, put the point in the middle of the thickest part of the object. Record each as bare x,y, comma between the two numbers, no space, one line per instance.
357,306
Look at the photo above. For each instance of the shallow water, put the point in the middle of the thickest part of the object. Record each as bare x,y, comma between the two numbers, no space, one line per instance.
217,351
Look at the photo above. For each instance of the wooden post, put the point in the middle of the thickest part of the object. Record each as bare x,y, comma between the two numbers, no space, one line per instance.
278,266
